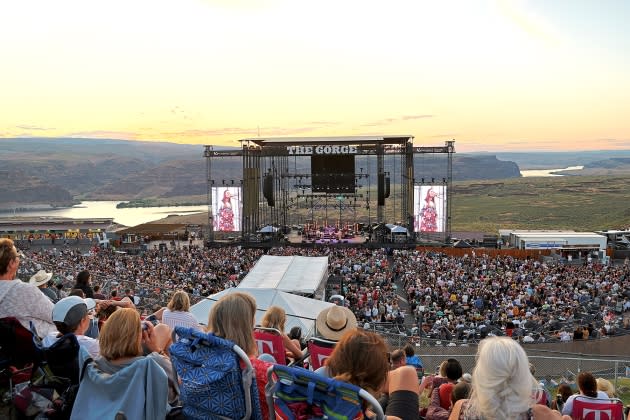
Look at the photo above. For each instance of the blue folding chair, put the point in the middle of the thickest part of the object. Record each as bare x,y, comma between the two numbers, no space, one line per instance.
294,392
217,379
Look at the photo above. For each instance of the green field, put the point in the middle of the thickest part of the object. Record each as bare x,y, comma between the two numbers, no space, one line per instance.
571,202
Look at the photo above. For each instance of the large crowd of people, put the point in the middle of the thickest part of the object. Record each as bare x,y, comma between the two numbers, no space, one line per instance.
423,294
450,297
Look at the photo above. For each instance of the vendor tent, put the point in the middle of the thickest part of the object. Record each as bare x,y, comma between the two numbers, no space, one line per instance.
301,311
292,274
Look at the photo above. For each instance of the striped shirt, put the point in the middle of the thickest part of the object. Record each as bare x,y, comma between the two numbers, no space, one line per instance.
180,319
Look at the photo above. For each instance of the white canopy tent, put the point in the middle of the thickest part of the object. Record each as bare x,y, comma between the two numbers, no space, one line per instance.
268,229
396,233
293,274
301,311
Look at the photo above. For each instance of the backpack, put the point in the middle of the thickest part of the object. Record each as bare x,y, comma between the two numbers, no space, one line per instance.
55,381
213,383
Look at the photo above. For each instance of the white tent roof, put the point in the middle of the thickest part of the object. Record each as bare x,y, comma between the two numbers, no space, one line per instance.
268,229
396,228
293,274
301,311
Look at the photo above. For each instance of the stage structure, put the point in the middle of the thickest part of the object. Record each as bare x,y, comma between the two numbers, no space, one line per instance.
320,183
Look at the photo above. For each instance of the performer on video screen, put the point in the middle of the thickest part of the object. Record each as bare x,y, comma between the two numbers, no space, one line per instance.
226,214
428,213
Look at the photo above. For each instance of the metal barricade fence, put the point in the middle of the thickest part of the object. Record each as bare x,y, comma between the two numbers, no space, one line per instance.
551,368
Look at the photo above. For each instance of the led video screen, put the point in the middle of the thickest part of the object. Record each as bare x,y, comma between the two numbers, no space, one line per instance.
429,203
227,203
333,173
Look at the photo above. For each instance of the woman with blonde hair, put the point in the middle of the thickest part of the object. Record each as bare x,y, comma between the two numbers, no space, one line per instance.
276,318
606,386
121,368
233,317
177,312
503,387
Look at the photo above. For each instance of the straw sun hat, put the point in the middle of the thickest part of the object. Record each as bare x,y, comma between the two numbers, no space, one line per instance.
333,322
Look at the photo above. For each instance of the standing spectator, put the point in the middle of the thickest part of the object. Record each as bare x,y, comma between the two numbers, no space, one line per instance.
83,283
40,280
20,300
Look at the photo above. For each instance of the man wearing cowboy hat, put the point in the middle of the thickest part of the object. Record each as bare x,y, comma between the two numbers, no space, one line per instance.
41,279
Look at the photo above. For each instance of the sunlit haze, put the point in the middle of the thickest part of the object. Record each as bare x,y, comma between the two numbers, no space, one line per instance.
493,75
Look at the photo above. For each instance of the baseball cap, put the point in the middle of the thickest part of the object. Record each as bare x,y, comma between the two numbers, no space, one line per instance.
71,310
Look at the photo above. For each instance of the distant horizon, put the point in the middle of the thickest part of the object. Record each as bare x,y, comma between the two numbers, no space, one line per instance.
596,150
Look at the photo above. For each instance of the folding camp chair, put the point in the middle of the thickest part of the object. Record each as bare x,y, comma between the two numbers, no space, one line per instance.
294,392
320,350
269,341
587,408
18,352
217,378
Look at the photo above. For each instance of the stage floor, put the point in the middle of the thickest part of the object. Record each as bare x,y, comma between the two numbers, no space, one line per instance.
295,238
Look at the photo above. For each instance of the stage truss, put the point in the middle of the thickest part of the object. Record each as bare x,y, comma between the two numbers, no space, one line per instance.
278,189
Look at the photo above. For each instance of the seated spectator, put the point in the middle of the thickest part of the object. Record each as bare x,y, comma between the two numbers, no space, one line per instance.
502,385
73,315
398,358
334,321
543,396
233,317
295,334
21,300
360,359
275,317
98,294
41,279
77,292
587,386
436,411
106,386
606,386
177,312
412,359
562,395
60,292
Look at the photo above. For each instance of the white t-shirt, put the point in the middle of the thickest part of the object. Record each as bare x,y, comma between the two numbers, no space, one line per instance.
26,303
88,343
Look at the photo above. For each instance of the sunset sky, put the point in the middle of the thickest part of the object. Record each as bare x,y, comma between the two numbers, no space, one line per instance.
494,75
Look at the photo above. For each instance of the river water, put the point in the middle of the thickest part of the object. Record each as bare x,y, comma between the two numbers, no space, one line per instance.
137,216
548,172
99,209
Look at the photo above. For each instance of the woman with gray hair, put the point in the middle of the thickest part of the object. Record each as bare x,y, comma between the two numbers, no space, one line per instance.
503,387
